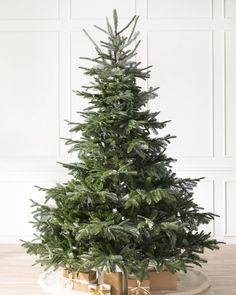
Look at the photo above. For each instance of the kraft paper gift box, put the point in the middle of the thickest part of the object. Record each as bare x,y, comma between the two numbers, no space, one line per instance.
160,281
72,275
84,276
115,279
79,281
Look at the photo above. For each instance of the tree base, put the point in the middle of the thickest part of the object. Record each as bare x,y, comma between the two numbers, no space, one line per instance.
192,283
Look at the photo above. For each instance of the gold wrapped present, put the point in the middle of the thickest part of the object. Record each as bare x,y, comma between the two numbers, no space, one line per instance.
70,274
136,287
68,281
79,281
84,276
87,276
102,289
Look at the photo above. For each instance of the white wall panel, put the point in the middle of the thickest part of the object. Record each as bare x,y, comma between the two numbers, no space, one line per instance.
16,212
183,70
230,94
99,9
29,9
179,8
204,197
29,94
230,205
230,8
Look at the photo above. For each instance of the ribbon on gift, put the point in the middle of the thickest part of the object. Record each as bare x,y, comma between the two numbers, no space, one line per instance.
97,290
139,290
69,283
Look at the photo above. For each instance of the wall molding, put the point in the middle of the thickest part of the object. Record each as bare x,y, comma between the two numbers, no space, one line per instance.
31,19
180,18
226,223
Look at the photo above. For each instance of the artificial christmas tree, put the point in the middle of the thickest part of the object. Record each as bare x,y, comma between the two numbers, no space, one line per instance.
124,209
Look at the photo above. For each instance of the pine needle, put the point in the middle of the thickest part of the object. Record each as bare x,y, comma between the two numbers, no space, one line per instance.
91,39
126,27
115,18
134,27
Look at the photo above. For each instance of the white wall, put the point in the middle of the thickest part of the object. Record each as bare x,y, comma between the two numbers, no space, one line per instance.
192,45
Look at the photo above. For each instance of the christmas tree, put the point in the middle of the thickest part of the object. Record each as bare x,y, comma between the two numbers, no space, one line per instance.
123,208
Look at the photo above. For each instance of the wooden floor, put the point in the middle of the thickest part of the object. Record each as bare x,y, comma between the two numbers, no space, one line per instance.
18,277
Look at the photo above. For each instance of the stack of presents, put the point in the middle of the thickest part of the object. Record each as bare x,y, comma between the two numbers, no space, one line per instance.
112,283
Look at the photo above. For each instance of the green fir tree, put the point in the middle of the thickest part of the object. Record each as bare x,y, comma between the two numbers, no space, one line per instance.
123,207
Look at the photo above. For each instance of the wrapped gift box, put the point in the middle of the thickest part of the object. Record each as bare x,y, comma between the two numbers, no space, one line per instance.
137,287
